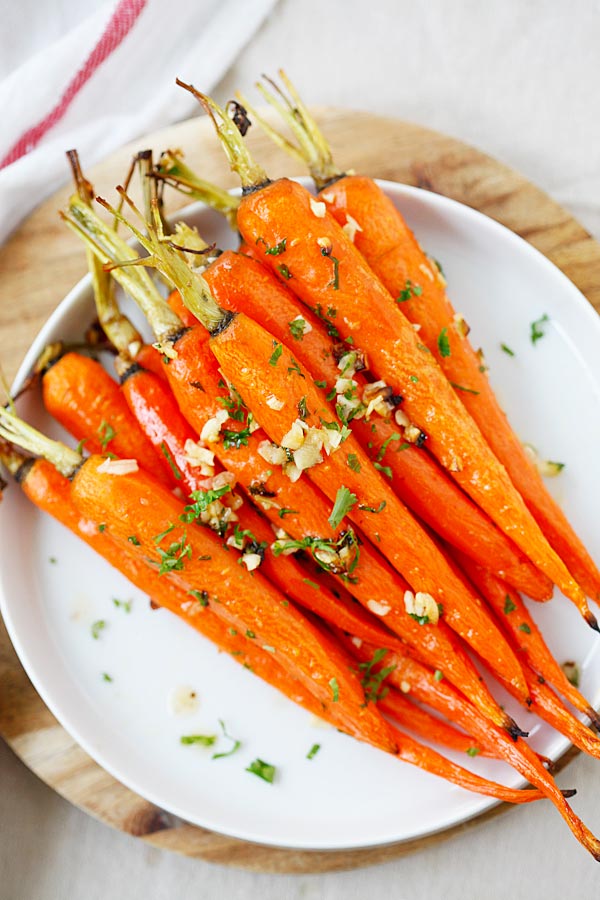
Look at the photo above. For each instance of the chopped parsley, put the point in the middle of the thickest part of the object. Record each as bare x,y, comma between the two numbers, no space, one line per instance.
250,634
277,351
443,343
410,290
312,584
205,740
321,384
263,769
372,509
422,620
384,469
335,689
524,627
236,744
167,455
284,271
296,327
353,463
473,751
509,606
134,540
202,500
328,558
234,405
276,249
302,410
237,439
460,387
396,436
372,681
344,502
294,367
52,560
102,528
173,558
106,434
287,512
97,628
438,675
107,677
125,605
313,751
414,379
331,313
200,596
507,350
537,331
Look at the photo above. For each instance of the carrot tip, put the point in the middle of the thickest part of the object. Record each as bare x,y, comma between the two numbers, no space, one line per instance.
594,717
514,730
592,621
570,792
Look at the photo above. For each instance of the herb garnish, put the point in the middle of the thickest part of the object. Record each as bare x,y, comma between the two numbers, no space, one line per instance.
410,290
524,627
106,434
537,331
134,540
172,559
202,500
263,769
102,528
236,744
283,269
206,740
107,677
438,675
237,439
509,606
335,689
332,331
296,327
344,501
353,463
372,681
326,552
313,751
125,605
460,387
396,436
287,512
321,384
167,455
200,596
372,509
384,469
473,751
276,249
507,350
97,628
277,351
294,367
302,410
312,584
443,343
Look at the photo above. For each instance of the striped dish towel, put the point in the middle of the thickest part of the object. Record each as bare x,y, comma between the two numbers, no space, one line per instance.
104,82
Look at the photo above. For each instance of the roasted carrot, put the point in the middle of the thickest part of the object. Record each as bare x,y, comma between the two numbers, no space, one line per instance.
418,720
322,266
381,234
50,491
413,678
189,381
149,358
244,285
86,401
515,620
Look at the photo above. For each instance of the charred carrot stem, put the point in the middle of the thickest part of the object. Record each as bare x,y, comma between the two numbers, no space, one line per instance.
86,401
516,621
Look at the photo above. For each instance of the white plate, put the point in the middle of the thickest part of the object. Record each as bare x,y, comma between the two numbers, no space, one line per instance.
349,795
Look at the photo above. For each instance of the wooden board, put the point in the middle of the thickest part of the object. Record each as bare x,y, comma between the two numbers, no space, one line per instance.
42,261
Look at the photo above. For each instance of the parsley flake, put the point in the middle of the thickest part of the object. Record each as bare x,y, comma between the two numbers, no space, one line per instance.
537,331
507,350
335,689
263,769
443,343
344,501
313,751
205,740
509,606
106,434
97,628
278,350
353,463
236,744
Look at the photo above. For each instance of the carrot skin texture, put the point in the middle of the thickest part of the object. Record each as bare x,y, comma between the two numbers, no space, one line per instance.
148,358
405,544
245,600
424,724
245,285
365,308
83,397
391,250
194,378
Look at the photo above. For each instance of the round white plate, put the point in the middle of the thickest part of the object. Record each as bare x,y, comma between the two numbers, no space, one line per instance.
53,588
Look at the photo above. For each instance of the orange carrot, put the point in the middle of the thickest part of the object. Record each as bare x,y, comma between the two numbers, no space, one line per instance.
323,267
418,720
149,358
244,285
50,491
86,401
516,621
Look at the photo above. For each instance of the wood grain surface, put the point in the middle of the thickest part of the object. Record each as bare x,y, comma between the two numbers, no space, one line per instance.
42,261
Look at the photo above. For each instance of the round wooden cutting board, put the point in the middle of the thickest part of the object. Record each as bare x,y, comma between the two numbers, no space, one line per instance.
42,261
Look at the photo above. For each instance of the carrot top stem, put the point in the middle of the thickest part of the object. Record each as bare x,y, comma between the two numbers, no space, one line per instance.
115,325
124,264
313,149
10,458
251,174
174,172
16,431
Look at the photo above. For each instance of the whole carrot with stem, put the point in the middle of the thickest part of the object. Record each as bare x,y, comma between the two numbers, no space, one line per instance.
124,497
50,492
322,266
190,375
238,343
383,237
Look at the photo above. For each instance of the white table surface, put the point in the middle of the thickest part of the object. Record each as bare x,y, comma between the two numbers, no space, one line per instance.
520,81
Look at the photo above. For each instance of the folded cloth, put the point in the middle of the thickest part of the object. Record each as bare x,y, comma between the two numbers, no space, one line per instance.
104,82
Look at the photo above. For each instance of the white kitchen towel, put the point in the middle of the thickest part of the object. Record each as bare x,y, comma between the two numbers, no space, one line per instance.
103,82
